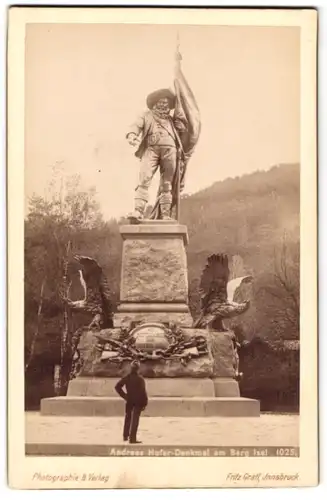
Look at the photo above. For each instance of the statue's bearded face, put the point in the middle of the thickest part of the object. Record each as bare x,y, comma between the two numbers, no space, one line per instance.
162,106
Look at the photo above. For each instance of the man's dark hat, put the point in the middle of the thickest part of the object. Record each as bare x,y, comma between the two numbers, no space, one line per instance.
160,94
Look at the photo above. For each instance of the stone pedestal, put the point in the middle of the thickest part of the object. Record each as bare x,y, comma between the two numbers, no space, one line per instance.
154,282
154,314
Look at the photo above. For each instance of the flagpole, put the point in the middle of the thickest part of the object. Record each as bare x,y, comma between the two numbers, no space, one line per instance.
178,184
178,162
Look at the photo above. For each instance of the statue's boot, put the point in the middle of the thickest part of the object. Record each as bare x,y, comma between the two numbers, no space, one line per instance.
138,214
165,205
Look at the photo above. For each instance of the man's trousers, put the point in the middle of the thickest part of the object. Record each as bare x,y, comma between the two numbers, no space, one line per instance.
132,417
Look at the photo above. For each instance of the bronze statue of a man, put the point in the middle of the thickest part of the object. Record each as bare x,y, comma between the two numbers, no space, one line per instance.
165,135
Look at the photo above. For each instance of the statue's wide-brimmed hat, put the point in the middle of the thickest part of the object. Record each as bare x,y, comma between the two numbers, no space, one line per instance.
154,97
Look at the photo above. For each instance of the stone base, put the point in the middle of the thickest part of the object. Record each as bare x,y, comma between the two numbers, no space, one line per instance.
156,387
96,367
226,387
223,353
158,407
159,312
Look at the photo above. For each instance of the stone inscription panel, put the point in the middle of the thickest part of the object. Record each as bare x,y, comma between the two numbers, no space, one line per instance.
154,270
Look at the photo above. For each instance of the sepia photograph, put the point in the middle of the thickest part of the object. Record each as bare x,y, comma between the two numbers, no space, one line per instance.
164,226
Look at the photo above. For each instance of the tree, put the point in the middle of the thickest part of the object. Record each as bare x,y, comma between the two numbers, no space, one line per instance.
281,292
67,213
287,279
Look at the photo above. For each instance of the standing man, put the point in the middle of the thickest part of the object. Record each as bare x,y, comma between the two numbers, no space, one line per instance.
136,401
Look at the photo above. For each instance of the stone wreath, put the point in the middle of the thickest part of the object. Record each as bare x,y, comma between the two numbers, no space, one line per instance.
151,342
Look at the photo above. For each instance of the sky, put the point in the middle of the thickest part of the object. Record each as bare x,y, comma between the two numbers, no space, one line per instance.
86,83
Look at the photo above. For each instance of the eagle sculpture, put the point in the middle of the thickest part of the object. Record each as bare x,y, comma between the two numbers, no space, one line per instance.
219,296
96,299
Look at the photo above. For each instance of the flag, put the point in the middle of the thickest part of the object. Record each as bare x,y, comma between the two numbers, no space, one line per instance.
187,112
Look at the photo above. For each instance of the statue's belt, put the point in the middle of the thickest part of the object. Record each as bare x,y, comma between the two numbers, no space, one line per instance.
156,137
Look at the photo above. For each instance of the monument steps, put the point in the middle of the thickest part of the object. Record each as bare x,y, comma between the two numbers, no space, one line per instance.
157,407
156,387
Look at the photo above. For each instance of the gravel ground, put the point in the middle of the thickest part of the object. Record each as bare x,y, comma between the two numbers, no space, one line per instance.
266,430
